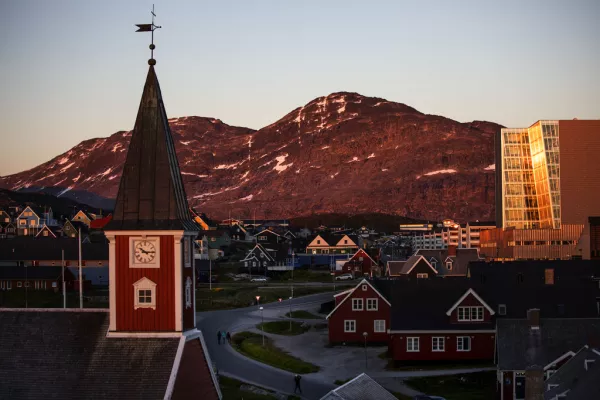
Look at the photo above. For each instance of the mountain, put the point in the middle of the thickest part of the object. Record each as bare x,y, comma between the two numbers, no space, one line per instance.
342,153
62,207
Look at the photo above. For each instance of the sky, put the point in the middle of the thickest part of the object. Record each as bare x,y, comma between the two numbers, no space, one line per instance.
73,70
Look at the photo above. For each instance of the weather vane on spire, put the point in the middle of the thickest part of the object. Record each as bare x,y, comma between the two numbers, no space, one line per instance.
149,28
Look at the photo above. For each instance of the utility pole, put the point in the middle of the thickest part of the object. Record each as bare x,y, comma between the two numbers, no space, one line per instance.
80,274
209,273
64,289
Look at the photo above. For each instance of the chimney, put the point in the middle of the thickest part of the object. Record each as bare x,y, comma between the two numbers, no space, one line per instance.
451,251
534,384
533,316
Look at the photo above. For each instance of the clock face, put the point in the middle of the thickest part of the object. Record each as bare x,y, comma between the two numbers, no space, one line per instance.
145,251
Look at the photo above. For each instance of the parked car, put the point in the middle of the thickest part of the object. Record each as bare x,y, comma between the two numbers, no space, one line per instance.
343,277
258,279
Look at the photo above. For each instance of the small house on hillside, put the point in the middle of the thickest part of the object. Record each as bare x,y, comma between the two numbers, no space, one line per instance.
332,244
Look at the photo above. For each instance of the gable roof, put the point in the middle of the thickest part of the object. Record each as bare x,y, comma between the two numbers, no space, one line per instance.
394,268
71,357
48,273
151,194
519,347
268,231
571,375
36,211
464,296
412,262
260,249
364,281
100,223
82,213
364,252
53,231
24,248
360,388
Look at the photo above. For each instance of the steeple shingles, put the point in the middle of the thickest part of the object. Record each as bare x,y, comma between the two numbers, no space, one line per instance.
151,193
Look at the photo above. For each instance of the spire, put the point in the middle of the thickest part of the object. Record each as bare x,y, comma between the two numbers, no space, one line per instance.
151,193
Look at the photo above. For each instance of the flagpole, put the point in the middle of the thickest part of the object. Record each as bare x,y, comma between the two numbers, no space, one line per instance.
80,274
64,289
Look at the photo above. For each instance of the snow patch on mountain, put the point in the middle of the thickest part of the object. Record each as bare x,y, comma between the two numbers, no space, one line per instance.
280,167
63,160
229,166
491,167
116,147
371,155
324,147
64,191
354,159
247,198
66,167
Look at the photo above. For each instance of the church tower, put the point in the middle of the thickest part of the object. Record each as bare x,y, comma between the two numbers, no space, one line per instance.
151,261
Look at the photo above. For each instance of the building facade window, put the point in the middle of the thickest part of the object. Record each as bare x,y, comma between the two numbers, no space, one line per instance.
364,288
19,284
463,343
372,304
470,313
188,292
449,265
357,304
422,276
502,309
350,325
379,325
437,343
412,344
145,294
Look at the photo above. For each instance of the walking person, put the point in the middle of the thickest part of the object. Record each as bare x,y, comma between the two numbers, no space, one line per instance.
219,337
228,337
297,380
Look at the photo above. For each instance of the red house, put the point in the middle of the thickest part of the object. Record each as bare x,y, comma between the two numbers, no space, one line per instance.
360,264
363,309
436,321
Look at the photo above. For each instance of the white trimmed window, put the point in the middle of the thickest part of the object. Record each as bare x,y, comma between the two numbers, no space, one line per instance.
463,343
470,313
145,294
357,304
364,288
437,343
372,304
422,276
412,344
187,255
19,284
449,265
379,325
350,325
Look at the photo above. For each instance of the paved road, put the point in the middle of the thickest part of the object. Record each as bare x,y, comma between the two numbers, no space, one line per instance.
229,362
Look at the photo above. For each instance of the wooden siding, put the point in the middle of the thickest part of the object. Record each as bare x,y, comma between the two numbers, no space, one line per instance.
471,301
365,320
482,347
145,319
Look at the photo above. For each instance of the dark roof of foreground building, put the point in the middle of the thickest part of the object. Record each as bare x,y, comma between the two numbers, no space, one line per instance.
32,273
520,347
360,388
577,379
151,193
70,357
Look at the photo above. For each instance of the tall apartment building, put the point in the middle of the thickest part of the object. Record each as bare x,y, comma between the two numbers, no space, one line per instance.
547,186
464,236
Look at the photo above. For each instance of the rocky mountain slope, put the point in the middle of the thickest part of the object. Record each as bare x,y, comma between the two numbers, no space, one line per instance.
343,153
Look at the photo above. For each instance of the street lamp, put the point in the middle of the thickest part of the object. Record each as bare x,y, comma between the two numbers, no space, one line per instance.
262,326
290,313
365,334
257,301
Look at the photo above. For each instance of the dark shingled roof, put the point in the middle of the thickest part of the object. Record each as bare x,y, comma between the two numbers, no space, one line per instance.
66,355
10,272
578,379
27,248
360,388
151,193
519,347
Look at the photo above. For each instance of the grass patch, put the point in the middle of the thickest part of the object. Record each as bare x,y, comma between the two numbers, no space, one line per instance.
236,296
341,382
383,356
475,386
19,298
250,344
301,314
283,328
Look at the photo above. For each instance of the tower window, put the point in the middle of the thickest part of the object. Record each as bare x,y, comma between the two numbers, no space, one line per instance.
145,294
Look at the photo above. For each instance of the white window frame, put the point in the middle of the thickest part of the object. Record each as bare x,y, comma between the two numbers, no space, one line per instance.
357,304
461,341
144,284
501,309
379,326
19,284
449,265
349,325
187,255
438,344
371,306
412,344
422,276
364,288
8,285
466,313
188,292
